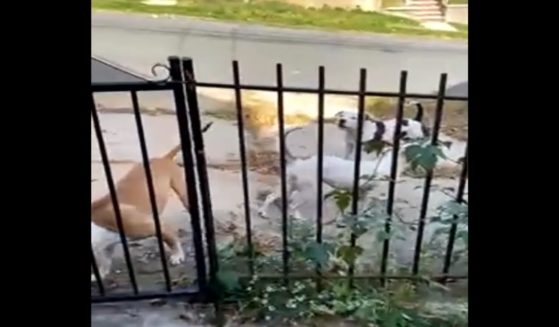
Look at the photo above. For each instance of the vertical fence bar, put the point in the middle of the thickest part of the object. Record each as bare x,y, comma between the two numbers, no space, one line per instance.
244,169
112,191
97,274
319,169
357,167
454,226
151,191
199,152
284,221
393,173
429,175
190,178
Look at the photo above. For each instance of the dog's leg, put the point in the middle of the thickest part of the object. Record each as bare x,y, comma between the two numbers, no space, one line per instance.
271,198
103,264
140,225
179,187
349,148
103,242
104,260
177,254
294,204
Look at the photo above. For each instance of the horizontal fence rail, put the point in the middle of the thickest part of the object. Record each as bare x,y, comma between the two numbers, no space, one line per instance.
181,81
159,86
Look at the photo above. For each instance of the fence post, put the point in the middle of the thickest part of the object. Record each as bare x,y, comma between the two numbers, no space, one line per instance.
194,112
177,78
393,174
429,175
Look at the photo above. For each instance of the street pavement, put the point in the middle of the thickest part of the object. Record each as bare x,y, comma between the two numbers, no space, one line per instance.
138,41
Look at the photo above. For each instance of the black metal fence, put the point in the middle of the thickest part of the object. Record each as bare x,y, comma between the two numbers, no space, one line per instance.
182,83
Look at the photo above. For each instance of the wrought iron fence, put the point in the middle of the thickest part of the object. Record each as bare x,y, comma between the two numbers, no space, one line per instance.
183,84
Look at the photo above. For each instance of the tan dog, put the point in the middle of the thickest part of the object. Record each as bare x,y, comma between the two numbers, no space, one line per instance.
135,208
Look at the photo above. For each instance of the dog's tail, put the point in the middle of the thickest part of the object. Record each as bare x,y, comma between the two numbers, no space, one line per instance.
289,156
171,154
174,151
419,117
419,111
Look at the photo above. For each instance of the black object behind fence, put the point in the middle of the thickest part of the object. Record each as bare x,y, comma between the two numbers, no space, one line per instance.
181,81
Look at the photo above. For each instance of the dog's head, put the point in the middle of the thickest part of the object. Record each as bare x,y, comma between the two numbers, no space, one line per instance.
373,129
348,120
411,129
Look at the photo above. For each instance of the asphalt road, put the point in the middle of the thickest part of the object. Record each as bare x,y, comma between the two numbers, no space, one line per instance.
139,41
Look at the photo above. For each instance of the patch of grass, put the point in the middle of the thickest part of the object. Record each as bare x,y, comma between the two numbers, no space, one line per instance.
457,2
283,14
460,27
393,3
455,114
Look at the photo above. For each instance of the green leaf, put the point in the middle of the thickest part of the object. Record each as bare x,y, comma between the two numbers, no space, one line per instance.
319,253
228,280
342,199
357,224
374,146
322,309
427,160
440,231
392,318
382,235
455,208
425,156
340,290
438,151
364,313
406,317
349,254
412,152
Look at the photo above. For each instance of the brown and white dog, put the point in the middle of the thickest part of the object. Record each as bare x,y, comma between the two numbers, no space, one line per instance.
135,208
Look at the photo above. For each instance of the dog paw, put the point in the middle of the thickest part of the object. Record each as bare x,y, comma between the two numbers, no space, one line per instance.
176,258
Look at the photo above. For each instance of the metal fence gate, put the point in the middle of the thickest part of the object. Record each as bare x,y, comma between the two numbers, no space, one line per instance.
182,83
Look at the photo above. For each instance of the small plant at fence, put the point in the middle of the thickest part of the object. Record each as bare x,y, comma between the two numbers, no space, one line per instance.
271,301
449,214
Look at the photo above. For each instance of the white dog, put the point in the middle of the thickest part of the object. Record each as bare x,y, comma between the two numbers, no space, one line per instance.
337,173
379,130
